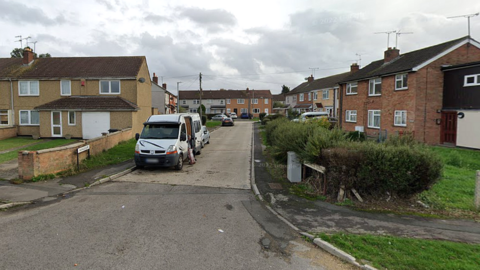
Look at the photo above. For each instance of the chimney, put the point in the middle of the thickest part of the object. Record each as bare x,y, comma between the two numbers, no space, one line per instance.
390,54
354,68
310,79
27,55
164,85
155,78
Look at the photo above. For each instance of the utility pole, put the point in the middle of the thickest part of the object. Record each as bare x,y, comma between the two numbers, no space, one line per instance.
200,106
178,96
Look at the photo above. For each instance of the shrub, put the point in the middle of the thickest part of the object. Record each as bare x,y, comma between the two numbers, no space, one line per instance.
355,136
320,138
261,116
204,120
289,136
271,117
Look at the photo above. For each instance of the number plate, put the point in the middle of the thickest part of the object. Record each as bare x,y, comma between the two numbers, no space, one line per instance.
151,160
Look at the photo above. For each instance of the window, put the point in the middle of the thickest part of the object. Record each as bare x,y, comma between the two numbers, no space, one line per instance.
193,110
228,101
109,87
375,87
241,101
229,110
325,94
4,117
65,88
254,100
243,110
400,118
196,101
266,101
472,80
315,95
209,101
221,101
28,88
309,96
72,118
256,110
374,118
184,102
301,97
294,98
29,118
266,111
352,88
401,81
351,116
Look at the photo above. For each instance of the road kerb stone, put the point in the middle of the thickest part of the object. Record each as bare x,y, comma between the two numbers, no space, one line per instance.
12,204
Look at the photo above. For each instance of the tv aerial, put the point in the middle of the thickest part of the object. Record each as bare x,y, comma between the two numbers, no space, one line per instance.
468,16
388,35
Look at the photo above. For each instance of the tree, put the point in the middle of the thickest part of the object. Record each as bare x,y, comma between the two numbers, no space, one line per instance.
285,89
18,53
202,107
44,55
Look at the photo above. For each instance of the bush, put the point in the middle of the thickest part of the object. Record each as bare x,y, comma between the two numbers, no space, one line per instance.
355,136
261,116
289,136
270,117
204,120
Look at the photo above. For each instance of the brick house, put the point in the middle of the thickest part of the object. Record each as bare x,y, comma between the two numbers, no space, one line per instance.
403,92
461,105
79,96
213,100
300,98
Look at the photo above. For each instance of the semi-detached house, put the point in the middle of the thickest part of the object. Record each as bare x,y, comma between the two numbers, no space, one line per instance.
403,93
82,97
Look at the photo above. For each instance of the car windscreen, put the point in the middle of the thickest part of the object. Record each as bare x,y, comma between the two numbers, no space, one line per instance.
160,131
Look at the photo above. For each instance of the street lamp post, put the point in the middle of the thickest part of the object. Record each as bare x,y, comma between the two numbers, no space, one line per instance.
178,98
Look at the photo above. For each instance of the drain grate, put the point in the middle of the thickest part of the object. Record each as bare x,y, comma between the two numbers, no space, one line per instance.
277,186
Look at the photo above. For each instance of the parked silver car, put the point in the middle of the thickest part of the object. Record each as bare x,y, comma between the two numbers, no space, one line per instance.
219,117
205,136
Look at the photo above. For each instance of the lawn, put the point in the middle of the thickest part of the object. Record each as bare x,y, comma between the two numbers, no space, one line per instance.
120,153
388,252
211,123
43,144
457,187
16,142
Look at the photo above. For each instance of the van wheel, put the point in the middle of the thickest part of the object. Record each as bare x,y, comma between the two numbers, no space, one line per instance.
179,165
198,152
139,166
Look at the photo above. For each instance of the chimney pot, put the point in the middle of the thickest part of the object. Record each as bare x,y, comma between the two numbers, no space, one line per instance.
354,68
390,54
155,78
164,85
310,79
27,56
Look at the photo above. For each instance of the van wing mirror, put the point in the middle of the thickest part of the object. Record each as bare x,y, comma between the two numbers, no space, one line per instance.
137,136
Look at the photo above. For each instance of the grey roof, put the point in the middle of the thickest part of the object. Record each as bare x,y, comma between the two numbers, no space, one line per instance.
322,83
89,103
403,63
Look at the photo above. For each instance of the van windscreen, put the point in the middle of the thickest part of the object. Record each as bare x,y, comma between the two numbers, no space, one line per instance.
160,131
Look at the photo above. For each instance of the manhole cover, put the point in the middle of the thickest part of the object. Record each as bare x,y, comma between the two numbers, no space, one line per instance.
275,185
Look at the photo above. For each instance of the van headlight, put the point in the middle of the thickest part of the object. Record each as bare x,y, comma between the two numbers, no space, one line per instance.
172,149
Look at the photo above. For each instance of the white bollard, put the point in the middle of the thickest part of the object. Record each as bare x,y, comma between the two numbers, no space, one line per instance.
477,191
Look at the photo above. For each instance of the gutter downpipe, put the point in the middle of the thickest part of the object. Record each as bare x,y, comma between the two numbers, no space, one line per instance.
11,100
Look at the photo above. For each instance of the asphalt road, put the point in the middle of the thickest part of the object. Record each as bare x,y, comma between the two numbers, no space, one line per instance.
204,217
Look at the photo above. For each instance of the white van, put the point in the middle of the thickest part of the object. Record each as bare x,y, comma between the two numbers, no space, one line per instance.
307,115
164,140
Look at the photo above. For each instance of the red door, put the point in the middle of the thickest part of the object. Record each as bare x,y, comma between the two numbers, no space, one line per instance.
449,127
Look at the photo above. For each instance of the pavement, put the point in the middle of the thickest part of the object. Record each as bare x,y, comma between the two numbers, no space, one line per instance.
306,217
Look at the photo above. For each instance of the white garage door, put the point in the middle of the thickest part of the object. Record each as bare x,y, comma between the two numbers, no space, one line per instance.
94,123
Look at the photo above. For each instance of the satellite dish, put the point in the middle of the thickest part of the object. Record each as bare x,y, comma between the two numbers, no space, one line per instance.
142,80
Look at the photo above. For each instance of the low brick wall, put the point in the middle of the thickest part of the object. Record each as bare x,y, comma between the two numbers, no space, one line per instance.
8,132
54,160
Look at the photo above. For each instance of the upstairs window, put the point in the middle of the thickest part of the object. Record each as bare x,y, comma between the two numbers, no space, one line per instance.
315,95
266,101
221,101
294,98
401,81
228,101
240,101
196,101
352,88
184,102
325,94
301,97
65,88
472,80
309,96
375,87
254,100
109,87
28,88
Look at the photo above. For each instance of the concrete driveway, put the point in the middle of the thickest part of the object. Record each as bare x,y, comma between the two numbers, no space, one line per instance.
224,163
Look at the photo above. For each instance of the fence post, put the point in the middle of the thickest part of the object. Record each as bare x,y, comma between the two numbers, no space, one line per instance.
477,191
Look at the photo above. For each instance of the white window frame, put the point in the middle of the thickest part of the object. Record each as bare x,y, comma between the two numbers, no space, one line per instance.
372,86
243,110
209,101
229,110
265,101
74,118
254,100
192,110
266,111
325,94
29,88
372,114
228,101
69,88
350,87
255,110
400,115
294,98
476,80
309,96
221,101
351,116
6,113
300,98
240,101
403,80
184,102
315,95
29,113
109,87
196,101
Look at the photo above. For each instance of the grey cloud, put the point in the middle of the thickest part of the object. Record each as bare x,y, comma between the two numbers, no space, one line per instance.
17,12
106,3
151,17
214,20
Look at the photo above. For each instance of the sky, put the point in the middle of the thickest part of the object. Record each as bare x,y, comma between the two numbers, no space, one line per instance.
260,44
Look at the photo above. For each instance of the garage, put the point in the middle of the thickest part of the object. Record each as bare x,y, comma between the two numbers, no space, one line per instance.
94,123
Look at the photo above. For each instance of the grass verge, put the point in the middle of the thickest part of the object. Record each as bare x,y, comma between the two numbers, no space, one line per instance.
120,153
210,124
16,142
388,252
42,145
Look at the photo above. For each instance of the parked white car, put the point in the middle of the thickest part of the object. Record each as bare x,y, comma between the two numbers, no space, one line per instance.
205,136
308,115
233,115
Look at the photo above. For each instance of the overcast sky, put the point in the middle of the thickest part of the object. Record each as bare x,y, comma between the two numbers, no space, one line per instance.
260,44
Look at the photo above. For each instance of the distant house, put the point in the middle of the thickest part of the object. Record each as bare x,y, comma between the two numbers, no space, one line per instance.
461,105
158,96
79,96
279,103
403,93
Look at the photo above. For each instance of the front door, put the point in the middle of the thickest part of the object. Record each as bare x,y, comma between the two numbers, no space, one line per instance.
56,124
449,127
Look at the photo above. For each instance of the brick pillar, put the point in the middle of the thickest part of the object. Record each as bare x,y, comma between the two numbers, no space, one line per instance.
26,164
